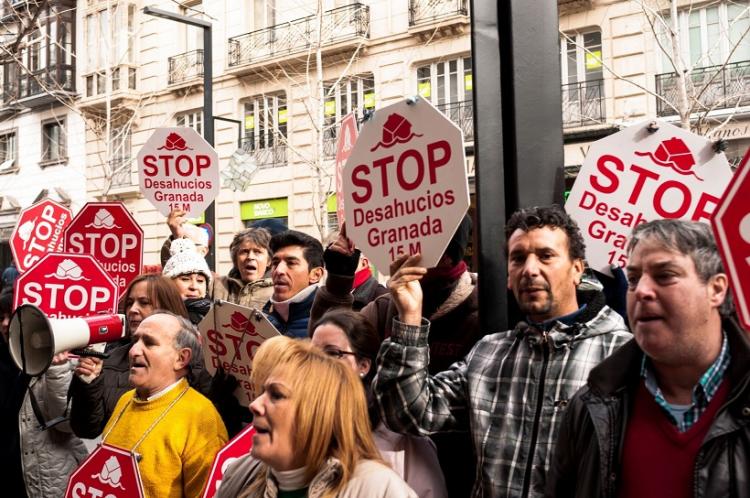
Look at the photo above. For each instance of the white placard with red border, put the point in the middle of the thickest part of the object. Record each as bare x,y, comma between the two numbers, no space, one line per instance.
108,472
239,446
731,224
344,146
108,232
178,169
634,176
231,336
66,285
405,184
39,230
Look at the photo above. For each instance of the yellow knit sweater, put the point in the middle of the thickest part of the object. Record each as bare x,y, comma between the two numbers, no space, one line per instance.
178,452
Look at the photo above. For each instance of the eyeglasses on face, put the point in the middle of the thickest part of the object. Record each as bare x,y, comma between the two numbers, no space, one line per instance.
337,353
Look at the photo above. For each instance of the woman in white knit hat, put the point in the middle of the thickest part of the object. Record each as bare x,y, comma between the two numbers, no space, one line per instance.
190,272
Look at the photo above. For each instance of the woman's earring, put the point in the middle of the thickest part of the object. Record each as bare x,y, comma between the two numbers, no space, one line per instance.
362,374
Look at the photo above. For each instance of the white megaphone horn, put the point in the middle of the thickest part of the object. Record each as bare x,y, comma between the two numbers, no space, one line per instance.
35,339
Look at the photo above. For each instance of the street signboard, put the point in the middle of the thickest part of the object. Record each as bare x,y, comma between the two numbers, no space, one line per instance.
346,140
636,175
231,335
405,184
239,446
178,169
67,286
731,225
39,231
108,472
108,232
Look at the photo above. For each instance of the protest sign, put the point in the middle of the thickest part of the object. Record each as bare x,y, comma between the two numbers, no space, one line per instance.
239,446
344,146
39,231
108,472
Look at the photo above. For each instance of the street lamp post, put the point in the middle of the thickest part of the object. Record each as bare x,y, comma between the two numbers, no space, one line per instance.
208,107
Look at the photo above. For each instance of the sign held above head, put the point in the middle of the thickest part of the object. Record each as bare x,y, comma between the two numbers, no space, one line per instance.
178,169
405,184
642,173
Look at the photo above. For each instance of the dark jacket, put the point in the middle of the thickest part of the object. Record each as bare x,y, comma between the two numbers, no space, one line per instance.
587,461
367,292
454,325
299,317
93,404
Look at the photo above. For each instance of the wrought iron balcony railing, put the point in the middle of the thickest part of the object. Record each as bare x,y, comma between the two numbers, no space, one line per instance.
461,113
724,88
268,155
583,103
122,176
421,11
340,24
185,67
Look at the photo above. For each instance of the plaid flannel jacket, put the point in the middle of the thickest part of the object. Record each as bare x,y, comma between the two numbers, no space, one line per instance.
510,392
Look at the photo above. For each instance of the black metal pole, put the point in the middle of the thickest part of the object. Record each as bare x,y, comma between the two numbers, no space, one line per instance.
208,108
518,130
208,132
490,166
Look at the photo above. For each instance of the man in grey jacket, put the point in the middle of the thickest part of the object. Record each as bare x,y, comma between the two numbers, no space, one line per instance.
511,389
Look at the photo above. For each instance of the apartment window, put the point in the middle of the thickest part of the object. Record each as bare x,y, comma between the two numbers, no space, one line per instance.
449,85
192,120
582,78
446,82
53,141
120,155
264,13
710,34
265,121
8,152
110,39
581,57
352,94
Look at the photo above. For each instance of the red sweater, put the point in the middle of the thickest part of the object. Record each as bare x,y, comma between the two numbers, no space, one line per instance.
657,459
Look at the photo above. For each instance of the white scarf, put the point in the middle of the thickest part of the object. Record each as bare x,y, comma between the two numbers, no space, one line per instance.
282,307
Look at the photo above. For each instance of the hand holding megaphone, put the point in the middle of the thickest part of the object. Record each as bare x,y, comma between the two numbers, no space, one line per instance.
34,339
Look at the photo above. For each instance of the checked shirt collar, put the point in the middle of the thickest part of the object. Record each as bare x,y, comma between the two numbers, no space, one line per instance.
703,391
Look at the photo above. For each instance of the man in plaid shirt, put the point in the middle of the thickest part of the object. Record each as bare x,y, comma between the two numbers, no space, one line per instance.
669,413
511,390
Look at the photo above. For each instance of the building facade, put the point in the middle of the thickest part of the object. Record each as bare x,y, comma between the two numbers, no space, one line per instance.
285,74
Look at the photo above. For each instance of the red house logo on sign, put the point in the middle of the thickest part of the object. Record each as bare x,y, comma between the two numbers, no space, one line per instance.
675,154
396,130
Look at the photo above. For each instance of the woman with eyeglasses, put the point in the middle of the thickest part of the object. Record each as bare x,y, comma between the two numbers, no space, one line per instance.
313,435
350,338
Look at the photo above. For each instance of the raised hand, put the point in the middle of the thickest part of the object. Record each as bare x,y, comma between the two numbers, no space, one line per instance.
406,291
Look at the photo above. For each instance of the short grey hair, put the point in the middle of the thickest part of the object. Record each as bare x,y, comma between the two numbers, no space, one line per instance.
187,337
691,238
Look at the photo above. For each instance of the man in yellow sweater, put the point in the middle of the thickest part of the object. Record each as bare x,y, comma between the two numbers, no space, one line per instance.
174,430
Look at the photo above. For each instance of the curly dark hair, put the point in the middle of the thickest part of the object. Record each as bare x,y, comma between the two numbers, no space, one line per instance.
552,216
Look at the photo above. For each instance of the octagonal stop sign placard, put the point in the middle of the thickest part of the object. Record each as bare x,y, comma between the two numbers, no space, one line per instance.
178,169
67,286
39,230
108,232
108,472
405,184
637,175
731,224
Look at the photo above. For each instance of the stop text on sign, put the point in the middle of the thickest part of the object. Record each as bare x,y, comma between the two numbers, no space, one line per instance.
634,176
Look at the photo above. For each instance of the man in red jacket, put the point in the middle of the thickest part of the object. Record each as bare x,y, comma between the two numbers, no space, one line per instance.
668,413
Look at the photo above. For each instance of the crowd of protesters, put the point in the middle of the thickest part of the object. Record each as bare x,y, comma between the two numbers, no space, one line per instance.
396,391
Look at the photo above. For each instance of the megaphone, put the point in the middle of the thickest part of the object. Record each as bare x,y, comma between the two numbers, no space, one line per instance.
35,339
